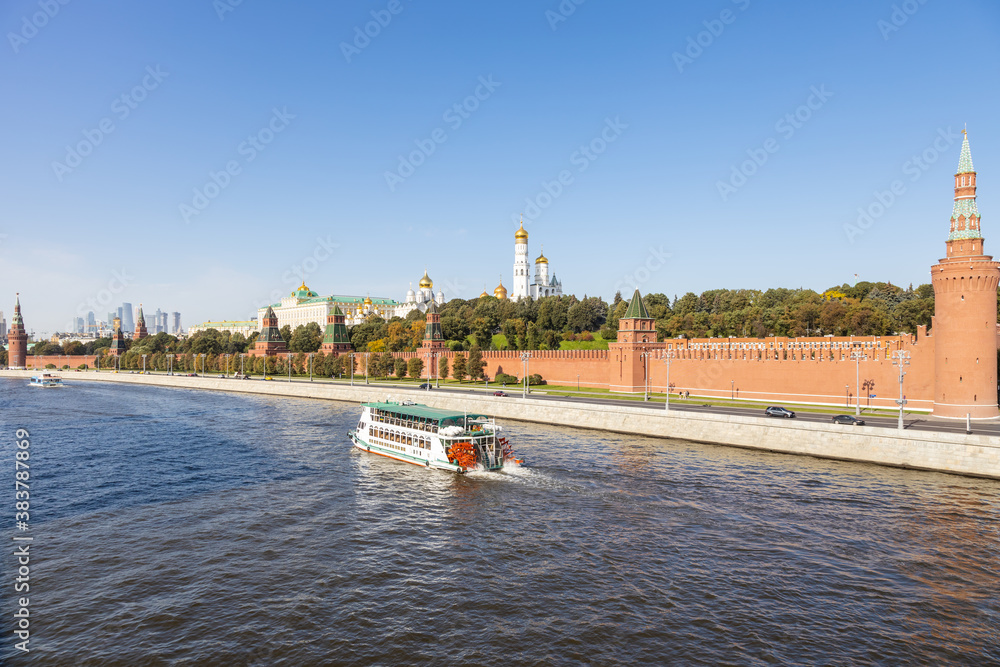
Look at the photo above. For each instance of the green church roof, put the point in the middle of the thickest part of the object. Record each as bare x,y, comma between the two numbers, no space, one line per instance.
636,308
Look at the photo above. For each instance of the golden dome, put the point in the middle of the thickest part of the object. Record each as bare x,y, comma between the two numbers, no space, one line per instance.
426,282
541,258
483,294
521,236
500,292
368,301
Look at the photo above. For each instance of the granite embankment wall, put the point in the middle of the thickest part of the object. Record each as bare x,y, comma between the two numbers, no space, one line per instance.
958,453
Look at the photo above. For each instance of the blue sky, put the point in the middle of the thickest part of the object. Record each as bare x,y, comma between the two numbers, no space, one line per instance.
649,111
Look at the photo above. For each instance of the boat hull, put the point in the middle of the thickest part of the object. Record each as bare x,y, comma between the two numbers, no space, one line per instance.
389,454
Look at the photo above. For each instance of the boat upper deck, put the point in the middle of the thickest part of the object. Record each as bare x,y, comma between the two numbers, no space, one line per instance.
421,417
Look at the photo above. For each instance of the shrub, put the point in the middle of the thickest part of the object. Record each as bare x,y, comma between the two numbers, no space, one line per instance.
535,379
50,365
587,336
569,336
607,333
505,378
82,367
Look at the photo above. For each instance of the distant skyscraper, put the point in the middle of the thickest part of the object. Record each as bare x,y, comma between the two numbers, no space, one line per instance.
79,325
164,322
3,327
128,319
91,323
177,323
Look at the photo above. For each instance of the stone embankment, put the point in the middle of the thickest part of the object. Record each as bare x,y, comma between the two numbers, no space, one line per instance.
957,453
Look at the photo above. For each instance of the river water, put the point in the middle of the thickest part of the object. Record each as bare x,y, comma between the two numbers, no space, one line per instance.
177,527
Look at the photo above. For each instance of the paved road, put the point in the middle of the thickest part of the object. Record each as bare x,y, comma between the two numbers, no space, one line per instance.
911,422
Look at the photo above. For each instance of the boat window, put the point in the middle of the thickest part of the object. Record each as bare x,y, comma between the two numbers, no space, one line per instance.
409,441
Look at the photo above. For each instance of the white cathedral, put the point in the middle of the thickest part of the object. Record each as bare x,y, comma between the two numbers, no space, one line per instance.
420,300
543,284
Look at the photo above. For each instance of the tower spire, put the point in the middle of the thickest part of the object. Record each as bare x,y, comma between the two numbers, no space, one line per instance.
965,159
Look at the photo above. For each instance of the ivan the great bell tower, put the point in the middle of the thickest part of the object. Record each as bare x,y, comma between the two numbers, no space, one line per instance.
965,310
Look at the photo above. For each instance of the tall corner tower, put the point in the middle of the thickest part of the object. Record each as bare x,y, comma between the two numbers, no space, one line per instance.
965,310
519,288
17,337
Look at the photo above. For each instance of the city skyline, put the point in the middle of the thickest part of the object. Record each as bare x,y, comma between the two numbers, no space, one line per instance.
735,146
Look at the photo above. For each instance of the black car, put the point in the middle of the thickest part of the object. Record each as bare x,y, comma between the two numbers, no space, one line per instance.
775,411
849,420
426,385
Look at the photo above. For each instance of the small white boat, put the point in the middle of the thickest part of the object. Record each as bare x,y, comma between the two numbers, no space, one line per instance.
430,437
45,380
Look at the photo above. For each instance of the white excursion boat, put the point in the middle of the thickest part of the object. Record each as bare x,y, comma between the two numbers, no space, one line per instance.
430,437
45,380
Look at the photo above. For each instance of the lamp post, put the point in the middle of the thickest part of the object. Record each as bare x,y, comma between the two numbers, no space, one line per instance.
732,383
311,355
170,364
241,363
351,355
202,364
525,356
366,367
668,356
227,365
858,355
901,358
429,356
578,382
847,395
437,369
289,364
645,378
144,364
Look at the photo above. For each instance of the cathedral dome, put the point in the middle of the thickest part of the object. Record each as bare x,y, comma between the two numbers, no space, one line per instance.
483,294
542,259
426,282
521,236
500,292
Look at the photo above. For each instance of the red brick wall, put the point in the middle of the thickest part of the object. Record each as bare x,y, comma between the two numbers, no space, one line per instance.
60,360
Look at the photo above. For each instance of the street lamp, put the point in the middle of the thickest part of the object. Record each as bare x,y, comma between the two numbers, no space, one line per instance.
644,355
202,364
241,363
227,365
311,355
858,355
430,357
525,356
366,367
170,364
144,364
289,366
351,355
901,358
847,395
577,382
732,383
668,356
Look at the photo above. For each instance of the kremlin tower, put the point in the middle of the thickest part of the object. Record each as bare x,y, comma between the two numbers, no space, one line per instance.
632,354
965,310
140,326
270,343
335,340
17,337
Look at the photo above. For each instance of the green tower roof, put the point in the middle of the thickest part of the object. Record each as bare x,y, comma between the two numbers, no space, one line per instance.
636,308
965,159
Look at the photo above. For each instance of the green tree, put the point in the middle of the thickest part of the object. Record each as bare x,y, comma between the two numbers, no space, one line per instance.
442,367
415,367
458,367
400,368
475,363
305,338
